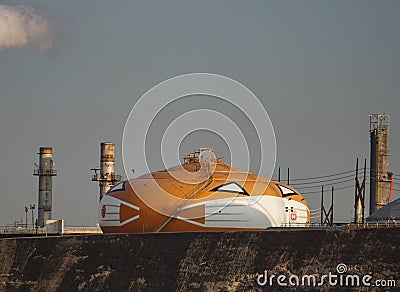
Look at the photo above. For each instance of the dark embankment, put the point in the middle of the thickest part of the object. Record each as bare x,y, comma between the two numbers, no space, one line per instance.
192,261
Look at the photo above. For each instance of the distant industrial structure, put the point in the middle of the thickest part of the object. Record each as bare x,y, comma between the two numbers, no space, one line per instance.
379,163
387,214
45,171
359,204
105,175
381,181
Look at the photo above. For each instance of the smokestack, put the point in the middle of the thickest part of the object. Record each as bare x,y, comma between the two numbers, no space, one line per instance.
379,182
105,175
45,171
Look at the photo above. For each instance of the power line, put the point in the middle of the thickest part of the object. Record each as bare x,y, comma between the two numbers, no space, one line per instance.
325,176
332,176
333,180
342,188
336,189
320,181
331,184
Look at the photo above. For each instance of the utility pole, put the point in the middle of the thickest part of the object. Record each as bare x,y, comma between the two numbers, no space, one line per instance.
331,209
359,195
32,207
326,215
26,217
322,205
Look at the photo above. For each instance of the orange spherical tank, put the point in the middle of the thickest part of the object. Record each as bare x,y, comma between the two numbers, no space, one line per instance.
184,199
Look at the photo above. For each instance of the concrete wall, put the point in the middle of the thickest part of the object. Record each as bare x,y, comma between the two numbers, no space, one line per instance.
192,261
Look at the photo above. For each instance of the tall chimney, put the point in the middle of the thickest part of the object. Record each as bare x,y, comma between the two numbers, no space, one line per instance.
379,162
105,175
45,171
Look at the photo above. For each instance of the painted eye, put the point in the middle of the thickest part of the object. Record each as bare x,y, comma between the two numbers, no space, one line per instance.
286,191
231,187
118,187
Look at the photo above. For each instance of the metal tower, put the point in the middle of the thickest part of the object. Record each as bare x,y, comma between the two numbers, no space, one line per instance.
359,195
105,175
45,171
379,180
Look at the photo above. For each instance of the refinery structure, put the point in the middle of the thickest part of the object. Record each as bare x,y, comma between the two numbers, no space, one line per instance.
45,170
126,206
379,161
105,174
271,219
203,223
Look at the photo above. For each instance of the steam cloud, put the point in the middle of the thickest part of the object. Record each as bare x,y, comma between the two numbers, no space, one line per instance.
21,26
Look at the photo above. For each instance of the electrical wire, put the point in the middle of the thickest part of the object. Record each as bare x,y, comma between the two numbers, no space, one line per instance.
395,183
336,189
332,180
325,176
336,174
321,181
319,185
341,188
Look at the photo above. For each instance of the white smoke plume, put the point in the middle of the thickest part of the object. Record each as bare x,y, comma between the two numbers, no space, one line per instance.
22,26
